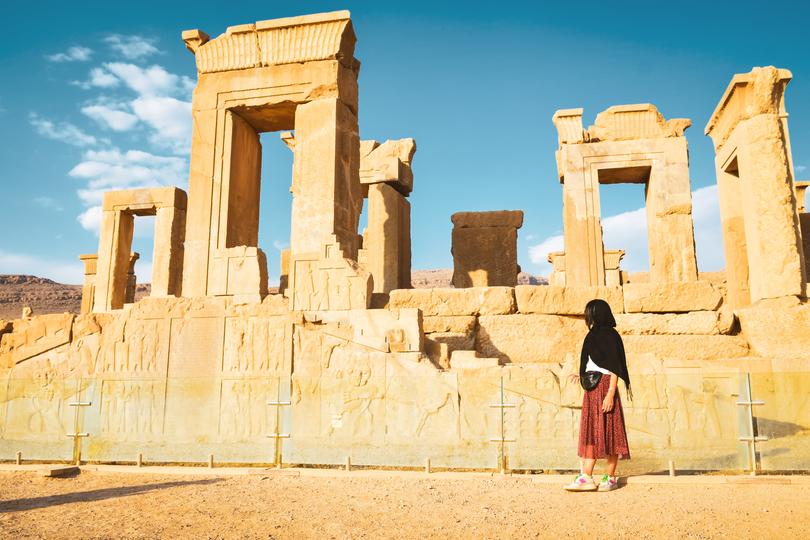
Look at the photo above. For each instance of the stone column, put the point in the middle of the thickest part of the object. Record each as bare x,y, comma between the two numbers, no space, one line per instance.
670,232
804,221
167,259
485,248
582,225
327,196
749,131
89,286
131,278
735,248
115,243
385,171
387,238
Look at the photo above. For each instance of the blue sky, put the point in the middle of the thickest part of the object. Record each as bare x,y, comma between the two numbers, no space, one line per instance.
97,97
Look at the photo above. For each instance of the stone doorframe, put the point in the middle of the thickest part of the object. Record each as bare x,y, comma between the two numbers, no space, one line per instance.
296,74
627,144
115,243
758,206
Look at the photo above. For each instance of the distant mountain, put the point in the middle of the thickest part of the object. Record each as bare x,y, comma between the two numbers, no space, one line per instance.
41,294
433,279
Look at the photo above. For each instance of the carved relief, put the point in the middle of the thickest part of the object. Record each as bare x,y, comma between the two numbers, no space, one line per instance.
244,412
131,410
254,345
37,406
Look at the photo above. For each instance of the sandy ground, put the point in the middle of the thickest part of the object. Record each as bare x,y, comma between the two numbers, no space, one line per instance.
116,505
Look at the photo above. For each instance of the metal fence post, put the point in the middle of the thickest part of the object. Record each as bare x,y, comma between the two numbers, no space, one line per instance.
752,438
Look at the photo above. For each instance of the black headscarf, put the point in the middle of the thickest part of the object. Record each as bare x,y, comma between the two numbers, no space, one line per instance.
603,343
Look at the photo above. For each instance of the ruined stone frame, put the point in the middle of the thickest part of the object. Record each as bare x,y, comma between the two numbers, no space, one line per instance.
585,262
758,208
114,262
309,81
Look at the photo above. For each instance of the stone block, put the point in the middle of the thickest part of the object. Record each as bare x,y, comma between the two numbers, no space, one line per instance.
389,162
446,323
484,248
484,257
777,330
455,341
687,347
444,302
381,329
57,471
671,297
695,322
470,360
565,300
531,338
33,336
498,218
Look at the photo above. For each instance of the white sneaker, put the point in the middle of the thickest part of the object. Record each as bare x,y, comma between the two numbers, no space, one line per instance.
582,482
608,483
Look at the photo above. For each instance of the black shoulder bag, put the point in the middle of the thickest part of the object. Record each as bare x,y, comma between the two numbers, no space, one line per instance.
590,380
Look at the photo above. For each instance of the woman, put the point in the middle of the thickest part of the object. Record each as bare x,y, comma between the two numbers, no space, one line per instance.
601,426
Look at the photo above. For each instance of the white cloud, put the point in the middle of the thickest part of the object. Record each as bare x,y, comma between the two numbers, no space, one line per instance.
279,245
49,203
114,119
538,253
57,270
99,78
90,219
801,168
628,231
64,132
131,47
708,229
104,170
73,54
171,120
151,81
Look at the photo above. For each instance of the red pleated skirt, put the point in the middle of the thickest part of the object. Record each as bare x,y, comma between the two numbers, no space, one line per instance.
602,434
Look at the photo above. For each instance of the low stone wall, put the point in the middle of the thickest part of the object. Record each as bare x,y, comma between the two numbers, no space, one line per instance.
179,379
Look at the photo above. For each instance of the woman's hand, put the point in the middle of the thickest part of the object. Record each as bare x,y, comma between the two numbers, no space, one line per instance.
607,403
573,377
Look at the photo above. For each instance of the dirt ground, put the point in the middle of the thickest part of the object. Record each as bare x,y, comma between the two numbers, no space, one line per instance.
116,505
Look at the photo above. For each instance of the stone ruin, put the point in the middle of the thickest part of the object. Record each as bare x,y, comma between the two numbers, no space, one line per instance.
347,361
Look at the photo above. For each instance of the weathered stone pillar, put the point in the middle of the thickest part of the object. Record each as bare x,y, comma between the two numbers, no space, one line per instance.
89,285
761,234
115,243
327,196
167,260
582,227
485,248
670,232
132,279
385,171
386,242
804,221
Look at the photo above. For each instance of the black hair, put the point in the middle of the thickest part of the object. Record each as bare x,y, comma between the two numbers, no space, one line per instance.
599,315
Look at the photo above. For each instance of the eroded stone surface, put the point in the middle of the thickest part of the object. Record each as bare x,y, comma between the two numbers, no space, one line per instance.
671,297
485,248
565,300
471,301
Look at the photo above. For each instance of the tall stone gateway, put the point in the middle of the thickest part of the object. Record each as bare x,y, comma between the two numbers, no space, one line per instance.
758,207
285,74
627,144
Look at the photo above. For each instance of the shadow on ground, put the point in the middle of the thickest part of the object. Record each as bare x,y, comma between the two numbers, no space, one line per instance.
33,503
